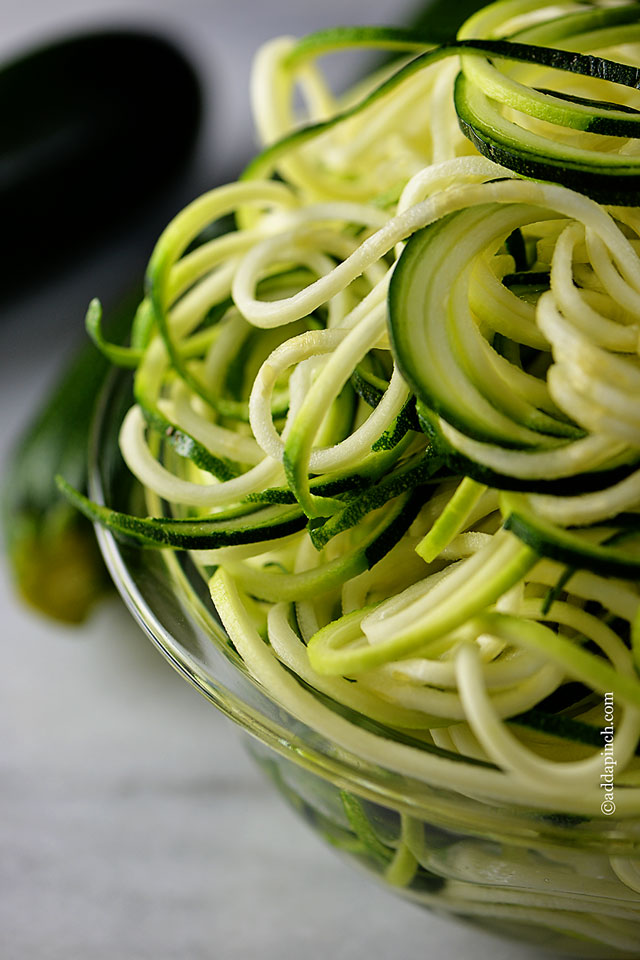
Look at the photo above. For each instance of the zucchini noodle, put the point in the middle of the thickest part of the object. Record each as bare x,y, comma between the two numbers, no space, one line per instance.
401,401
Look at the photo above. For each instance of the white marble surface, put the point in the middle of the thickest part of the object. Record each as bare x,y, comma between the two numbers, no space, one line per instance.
132,823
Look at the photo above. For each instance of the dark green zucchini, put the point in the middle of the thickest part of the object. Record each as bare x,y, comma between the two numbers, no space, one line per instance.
566,545
52,549
415,473
187,446
458,463
200,533
94,127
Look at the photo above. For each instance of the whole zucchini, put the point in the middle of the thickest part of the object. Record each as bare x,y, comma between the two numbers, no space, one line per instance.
52,549
93,128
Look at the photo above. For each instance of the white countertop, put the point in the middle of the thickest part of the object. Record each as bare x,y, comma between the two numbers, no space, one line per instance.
133,825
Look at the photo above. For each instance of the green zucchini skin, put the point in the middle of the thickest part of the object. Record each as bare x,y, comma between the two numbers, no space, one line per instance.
617,187
408,477
565,545
561,726
52,550
197,534
186,446
457,463
74,163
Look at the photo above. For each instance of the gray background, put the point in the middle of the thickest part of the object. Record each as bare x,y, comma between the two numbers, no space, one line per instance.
132,823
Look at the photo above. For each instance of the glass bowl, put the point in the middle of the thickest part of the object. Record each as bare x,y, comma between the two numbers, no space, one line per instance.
566,883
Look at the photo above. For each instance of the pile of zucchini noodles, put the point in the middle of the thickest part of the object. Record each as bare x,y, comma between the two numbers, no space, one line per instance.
395,413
